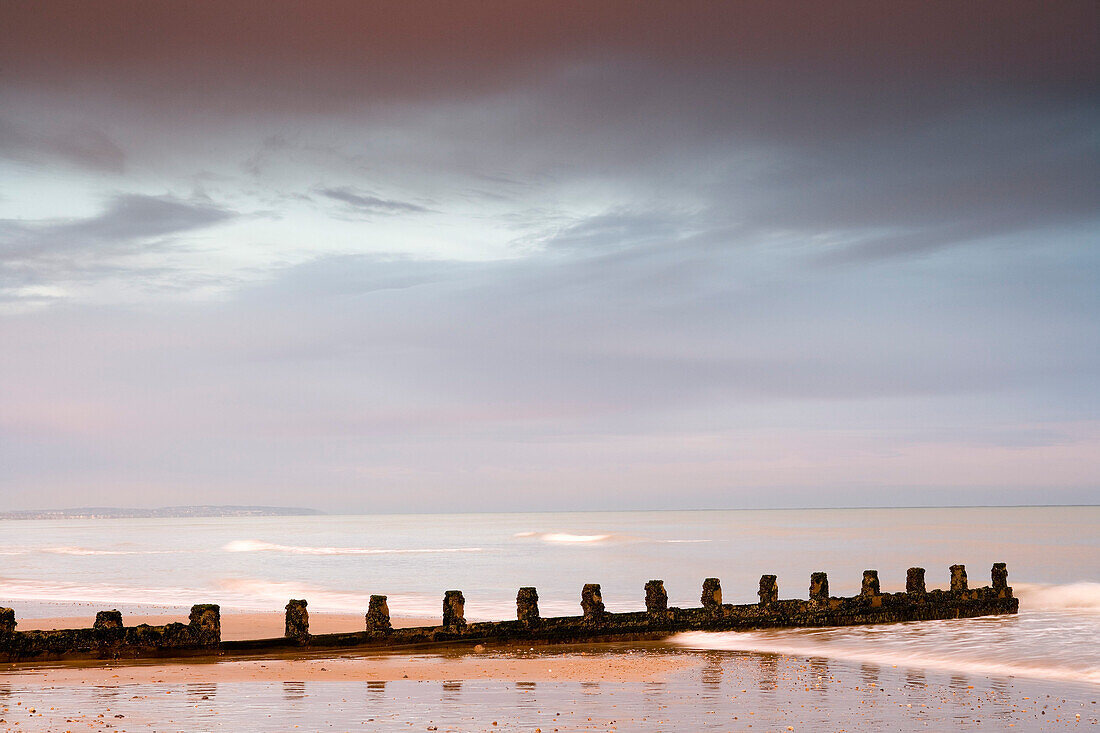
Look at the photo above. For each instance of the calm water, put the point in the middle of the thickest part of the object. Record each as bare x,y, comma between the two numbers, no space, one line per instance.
1053,556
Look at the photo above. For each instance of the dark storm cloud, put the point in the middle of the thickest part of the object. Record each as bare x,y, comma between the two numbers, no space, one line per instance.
367,204
896,129
301,51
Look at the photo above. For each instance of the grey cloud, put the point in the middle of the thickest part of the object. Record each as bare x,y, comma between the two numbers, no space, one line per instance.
127,219
621,228
81,146
669,203
57,252
367,204
423,374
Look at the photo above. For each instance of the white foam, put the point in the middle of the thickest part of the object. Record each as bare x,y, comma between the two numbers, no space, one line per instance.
91,551
261,546
566,538
1083,596
575,538
808,647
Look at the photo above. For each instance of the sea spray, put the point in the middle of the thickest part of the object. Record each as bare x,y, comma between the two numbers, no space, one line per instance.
1036,644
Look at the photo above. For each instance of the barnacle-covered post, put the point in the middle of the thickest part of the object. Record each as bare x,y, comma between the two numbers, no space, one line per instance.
769,590
378,614
527,605
592,602
656,598
297,620
454,610
711,597
819,587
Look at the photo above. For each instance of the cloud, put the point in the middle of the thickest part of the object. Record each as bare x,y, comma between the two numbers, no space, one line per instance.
37,257
510,245
621,227
81,146
368,204
127,220
365,375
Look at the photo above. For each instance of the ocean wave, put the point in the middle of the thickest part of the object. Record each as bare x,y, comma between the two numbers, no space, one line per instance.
567,538
259,593
1082,596
571,538
106,593
261,546
803,645
233,594
91,551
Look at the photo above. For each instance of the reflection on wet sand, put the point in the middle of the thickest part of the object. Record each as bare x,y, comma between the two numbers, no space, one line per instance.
725,690
294,690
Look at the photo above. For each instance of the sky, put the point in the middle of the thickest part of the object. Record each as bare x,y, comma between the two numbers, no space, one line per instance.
502,255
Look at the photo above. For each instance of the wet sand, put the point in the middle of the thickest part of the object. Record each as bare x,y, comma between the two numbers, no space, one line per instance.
609,687
488,665
235,625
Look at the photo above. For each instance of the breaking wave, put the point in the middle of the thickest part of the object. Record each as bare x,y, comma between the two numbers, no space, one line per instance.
1083,596
566,538
261,546
570,538
1049,639
91,551
934,659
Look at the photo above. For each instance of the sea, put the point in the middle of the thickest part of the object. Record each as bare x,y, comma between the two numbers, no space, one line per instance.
963,668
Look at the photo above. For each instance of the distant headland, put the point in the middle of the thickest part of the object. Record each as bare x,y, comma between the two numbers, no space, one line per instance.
100,512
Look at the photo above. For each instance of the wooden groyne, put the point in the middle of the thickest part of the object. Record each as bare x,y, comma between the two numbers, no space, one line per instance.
109,638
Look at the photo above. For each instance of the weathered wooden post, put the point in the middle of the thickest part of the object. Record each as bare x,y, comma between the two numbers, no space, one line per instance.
297,620
958,578
711,597
769,590
205,623
108,620
656,598
914,583
454,610
819,587
378,615
7,620
527,605
870,587
592,602
999,575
